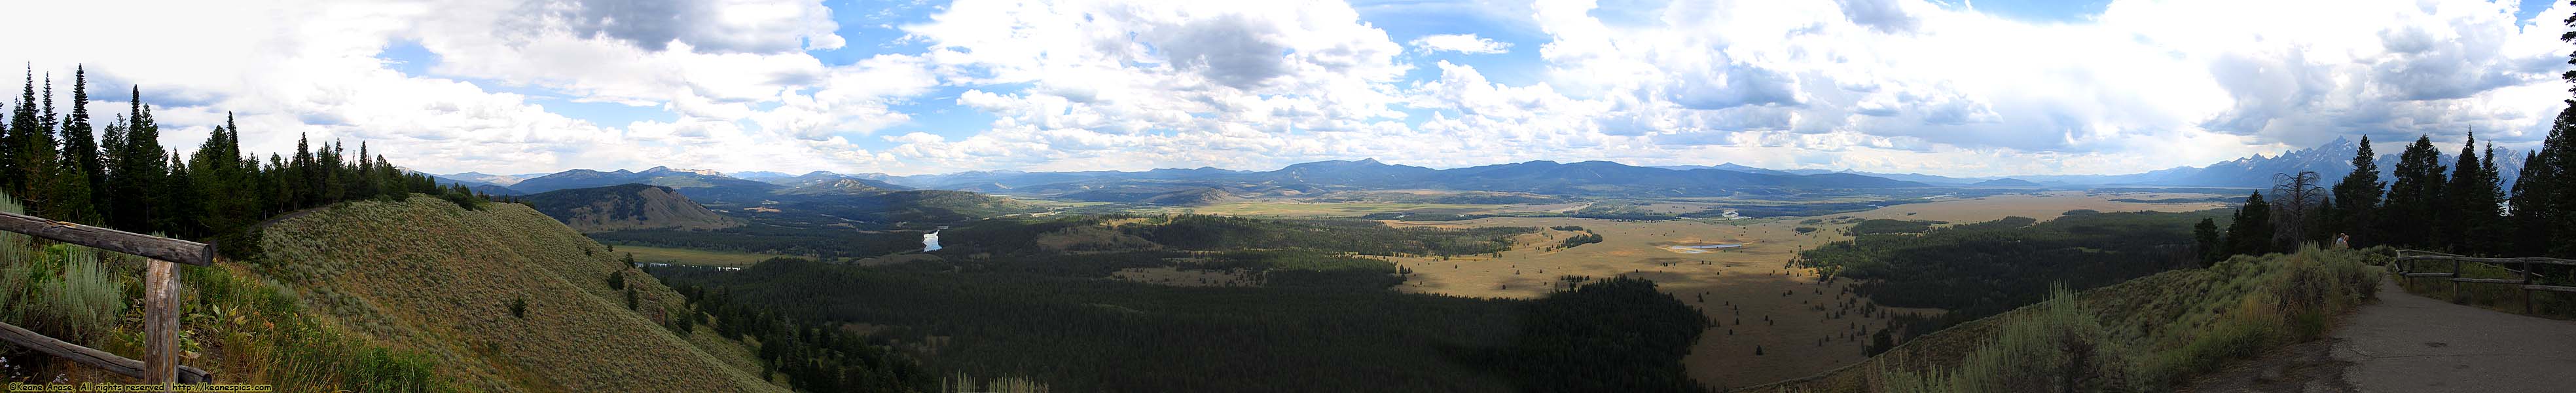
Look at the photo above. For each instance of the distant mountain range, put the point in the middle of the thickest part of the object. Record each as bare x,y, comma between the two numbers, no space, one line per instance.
2331,161
1588,178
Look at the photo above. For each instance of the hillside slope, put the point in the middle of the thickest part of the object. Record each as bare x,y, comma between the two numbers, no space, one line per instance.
2147,334
628,206
427,275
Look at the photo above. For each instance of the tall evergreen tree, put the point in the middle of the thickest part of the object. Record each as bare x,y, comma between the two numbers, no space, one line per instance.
2251,232
2469,202
307,178
2490,234
79,167
141,169
21,122
2415,200
2358,197
2528,212
111,145
2205,236
36,161
229,200
174,205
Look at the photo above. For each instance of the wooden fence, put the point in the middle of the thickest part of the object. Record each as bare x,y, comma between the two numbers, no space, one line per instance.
2529,276
160,364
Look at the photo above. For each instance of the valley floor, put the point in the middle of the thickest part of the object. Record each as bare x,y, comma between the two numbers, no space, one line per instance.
1737,288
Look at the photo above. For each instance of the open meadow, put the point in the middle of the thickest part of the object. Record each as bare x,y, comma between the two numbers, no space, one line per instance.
1798,326
694,257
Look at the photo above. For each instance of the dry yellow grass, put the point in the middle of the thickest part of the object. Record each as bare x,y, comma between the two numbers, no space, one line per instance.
694,257
425,275
2042,206
1744,283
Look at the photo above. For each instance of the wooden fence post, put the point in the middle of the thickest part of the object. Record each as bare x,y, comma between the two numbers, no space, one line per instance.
2455,284
2527,272
161,323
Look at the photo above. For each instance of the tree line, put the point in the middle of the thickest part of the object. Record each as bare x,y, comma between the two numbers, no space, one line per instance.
120,176
2464,207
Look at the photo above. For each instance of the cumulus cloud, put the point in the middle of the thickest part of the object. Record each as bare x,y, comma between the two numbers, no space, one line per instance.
1461,43
722,26
1893,85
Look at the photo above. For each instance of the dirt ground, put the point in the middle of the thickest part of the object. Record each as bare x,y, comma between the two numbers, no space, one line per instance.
1737,288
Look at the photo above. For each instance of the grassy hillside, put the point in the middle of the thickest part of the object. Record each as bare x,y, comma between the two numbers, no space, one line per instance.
625,207
429,276
2146,334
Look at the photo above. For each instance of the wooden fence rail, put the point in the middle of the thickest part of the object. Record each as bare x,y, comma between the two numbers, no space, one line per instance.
2527,282
160,364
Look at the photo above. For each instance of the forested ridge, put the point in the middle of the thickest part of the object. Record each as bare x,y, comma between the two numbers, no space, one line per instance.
239,324
1982,269
119,176
1087,334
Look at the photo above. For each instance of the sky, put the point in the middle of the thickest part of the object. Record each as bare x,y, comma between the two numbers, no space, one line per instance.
1963,88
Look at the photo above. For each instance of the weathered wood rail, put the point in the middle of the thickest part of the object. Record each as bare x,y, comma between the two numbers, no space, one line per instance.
2528,282
160,364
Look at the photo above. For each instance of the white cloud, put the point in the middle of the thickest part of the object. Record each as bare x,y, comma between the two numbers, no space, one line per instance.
733,72
1896,85
1461,43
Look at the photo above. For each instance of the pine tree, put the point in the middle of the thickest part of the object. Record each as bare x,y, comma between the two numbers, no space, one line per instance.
79,169
2489,233
111,153
2530,234
2251,232
141,168
2358,197
227,198
2206,236
2415,200
21,122
2469,201
308,179
36,161
174,208
335,180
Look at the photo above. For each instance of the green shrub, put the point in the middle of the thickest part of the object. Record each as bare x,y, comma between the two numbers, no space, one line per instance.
63,293
519,308
2154,332
467,201
2060,347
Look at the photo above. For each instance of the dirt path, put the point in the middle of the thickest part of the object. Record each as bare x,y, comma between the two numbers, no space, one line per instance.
2409,343
288,216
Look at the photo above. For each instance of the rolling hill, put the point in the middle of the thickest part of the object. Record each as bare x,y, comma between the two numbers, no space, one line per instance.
626,206
428,275
2006,182
704,186
827,183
